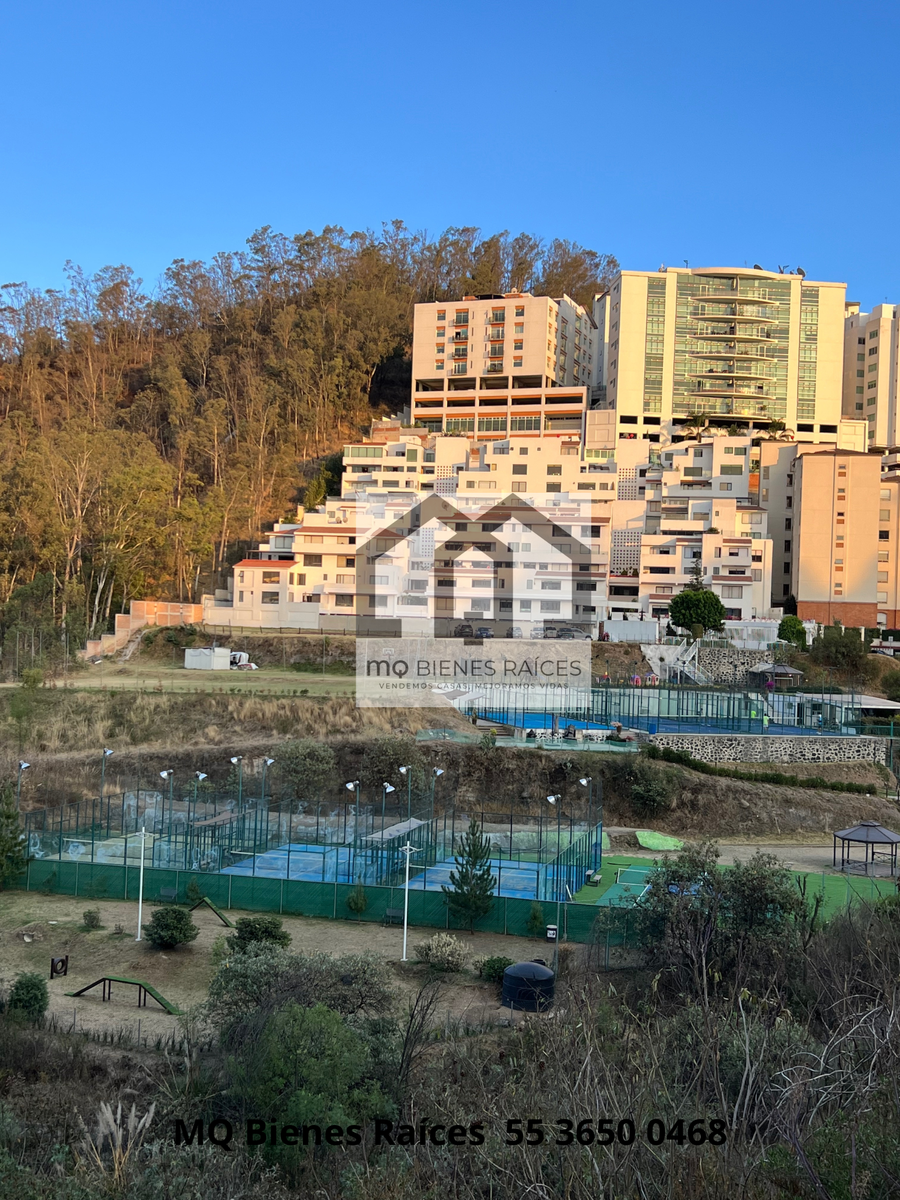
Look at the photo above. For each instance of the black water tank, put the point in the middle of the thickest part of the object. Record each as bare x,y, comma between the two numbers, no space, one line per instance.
528,987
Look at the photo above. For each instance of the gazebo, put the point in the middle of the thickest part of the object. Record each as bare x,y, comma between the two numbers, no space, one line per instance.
775,674
868,834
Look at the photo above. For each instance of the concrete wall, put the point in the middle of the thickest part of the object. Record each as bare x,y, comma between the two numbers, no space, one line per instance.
717,748
143,613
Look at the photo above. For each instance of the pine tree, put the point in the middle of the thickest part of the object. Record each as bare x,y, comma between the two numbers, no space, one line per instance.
12,844
471,892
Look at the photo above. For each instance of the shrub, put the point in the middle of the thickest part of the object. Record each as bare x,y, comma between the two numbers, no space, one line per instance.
305,768
91,918
652,792
358,901
29,997
170,927
791,629
267,931
192,892
536,925
443,952
492,968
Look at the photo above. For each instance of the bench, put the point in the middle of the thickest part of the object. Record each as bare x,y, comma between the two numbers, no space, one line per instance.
393,916
170,895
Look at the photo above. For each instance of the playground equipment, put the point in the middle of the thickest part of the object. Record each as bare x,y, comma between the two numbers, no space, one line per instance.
144,990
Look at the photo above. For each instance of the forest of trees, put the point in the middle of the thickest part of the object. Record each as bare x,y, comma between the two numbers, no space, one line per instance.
149,436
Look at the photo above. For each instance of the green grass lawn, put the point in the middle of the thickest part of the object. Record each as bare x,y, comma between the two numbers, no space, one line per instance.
838,890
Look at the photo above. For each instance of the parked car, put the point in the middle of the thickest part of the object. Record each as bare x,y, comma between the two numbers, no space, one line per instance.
483,632
550,631
536,633
514,631
463,630
574,635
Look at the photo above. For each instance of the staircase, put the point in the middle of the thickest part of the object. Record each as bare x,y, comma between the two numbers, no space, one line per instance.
142,613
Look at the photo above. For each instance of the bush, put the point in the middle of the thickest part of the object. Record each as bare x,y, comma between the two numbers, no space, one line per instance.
652,792
492,968
305,768
443,952
779,778
256,931
536,925
91,918
29,997
170,927
358,901
791,629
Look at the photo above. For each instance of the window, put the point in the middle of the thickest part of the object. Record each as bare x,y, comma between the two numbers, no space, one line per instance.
756,575
882,576
520,310
787,569
554,487
732,593
271,577
379,580
482,583
550,606
884,535
884,514
312,560
442,314
480,605
240,597
787,547
724,487
517,362
524,606
787,523
269,597
492,424
519,424
240,576
520,469
883,556
342,600
551,585
585,587
731,469
554,470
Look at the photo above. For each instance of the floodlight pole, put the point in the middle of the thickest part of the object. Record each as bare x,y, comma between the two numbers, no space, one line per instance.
23,766
409,849
105,756
554,800
267,762
407,771
140,888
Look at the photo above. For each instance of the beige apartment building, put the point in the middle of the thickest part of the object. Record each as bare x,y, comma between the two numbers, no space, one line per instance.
742,346
871,370
489,366
846,539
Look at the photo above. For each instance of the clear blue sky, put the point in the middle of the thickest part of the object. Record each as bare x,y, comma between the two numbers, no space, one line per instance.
657,131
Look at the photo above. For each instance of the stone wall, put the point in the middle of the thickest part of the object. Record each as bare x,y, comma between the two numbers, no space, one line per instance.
718,665
717,748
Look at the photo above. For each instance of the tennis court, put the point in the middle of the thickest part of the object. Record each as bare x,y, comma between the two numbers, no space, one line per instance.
299,860
631,883
520,881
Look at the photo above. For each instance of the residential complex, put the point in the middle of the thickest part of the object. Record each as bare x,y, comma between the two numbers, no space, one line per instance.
615,457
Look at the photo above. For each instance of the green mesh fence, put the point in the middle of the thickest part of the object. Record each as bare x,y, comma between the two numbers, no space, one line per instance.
102,881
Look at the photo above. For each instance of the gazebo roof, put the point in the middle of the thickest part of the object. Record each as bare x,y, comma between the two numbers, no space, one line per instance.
868,831
773,669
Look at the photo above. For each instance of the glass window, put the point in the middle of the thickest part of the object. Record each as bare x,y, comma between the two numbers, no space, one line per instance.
343,601
269,597
312,560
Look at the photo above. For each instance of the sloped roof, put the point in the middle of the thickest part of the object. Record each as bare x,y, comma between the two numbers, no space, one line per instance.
868,831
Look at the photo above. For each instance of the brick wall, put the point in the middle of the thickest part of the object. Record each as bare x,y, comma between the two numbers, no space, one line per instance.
827,613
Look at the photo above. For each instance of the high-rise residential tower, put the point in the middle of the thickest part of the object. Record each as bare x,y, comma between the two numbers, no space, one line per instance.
740,346
871,368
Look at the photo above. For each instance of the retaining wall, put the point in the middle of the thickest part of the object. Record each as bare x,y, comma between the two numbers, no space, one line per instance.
717,748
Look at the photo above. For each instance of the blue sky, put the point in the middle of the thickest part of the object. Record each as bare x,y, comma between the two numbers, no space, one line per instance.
659,132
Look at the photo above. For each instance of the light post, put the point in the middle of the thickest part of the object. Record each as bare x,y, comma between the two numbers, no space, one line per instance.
267,762
436,773
386,790
140,887
407,771
23,766
106,754
409,849
589,784
238,761
353,786
170,775
554,800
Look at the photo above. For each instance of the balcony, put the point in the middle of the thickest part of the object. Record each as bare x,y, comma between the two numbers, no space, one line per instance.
461,319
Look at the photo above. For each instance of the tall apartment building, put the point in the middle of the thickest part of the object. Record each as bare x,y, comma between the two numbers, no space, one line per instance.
872,375
846,539
744,347
487,366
